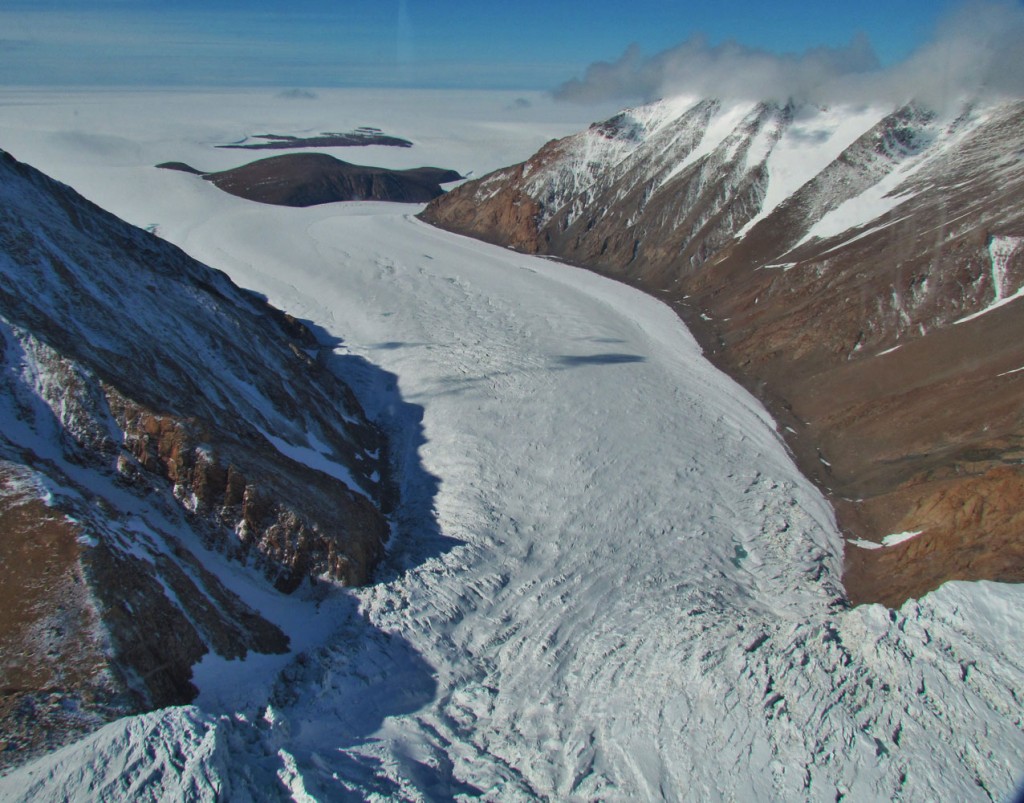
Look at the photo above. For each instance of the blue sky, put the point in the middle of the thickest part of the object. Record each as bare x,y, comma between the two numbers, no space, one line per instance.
529,44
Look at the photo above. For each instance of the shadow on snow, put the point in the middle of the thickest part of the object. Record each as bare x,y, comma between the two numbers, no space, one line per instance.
338,697
577,360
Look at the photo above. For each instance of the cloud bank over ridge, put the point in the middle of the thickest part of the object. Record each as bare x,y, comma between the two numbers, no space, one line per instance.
976,51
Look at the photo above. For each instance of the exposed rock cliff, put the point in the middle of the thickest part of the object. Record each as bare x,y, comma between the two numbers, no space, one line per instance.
151,414
858,269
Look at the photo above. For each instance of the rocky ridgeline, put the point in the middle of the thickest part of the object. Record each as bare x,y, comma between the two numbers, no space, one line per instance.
860,282
153,413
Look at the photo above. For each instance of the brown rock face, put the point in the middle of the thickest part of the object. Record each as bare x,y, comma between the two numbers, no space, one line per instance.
89,633
902,407
970,530
55,680
336,532
155,422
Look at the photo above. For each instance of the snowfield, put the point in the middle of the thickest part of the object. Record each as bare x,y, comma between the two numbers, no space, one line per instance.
608,580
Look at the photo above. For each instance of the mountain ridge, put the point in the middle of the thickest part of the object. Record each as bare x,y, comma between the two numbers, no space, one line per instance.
155,417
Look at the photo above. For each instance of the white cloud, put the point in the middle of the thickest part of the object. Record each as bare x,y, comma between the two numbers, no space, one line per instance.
977,50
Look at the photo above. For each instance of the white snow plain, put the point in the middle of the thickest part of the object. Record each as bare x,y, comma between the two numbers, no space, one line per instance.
608,580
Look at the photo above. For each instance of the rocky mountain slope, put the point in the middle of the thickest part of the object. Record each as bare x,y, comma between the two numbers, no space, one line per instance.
155,419
857,268
308,179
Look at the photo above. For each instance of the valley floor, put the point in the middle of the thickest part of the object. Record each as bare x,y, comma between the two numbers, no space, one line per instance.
608,580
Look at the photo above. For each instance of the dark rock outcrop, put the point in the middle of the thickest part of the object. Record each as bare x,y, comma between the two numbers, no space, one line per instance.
309,179
329,139
153,415
900,405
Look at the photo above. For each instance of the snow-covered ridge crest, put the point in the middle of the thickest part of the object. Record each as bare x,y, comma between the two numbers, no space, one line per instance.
784,146
587,159
789,143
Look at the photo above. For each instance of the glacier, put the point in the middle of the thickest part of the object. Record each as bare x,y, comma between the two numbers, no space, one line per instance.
619,586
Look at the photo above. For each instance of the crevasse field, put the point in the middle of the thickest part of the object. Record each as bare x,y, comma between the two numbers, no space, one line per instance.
607,579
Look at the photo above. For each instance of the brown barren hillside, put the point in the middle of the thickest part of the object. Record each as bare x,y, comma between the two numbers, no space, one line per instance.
309,179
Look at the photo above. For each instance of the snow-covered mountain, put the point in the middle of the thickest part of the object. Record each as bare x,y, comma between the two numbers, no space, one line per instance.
155,421
857,268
